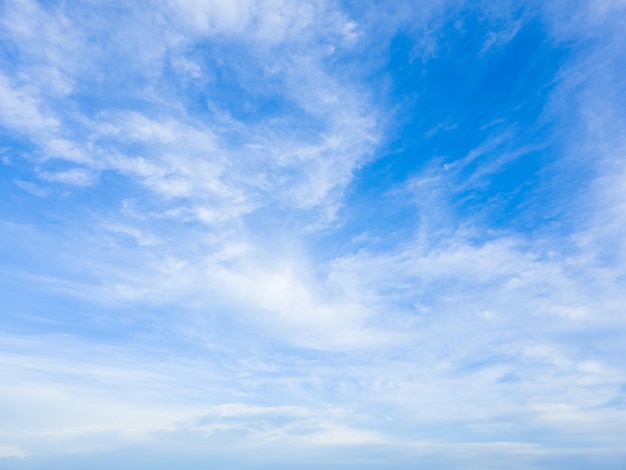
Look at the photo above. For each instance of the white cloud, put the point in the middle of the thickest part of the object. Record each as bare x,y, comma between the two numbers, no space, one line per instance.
216,16
75,176
192,156
20,111
32,188
11,452
207,250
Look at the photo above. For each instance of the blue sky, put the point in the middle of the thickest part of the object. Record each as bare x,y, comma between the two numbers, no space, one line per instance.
312,234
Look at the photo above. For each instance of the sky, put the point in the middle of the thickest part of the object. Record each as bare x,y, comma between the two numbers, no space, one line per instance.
297,234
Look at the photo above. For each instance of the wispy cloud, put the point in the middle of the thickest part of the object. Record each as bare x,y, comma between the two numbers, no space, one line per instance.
212,240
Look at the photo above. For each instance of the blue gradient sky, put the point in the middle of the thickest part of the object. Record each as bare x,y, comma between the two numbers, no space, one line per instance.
312,234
